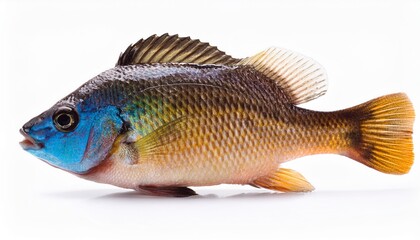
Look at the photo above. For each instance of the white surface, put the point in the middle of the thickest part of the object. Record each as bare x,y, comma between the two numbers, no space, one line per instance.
48,49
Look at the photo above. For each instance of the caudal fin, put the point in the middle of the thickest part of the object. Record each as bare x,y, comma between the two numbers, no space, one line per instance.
384,141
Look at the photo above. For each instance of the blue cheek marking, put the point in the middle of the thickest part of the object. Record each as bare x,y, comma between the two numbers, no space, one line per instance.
103,133
63,150
85,147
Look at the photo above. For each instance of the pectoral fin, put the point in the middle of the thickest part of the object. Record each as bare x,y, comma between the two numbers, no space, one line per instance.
156,142
284,180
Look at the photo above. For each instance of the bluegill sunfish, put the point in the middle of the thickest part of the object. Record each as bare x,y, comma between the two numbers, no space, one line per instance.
176,112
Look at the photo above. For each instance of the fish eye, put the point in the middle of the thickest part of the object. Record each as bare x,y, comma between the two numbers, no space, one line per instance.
65,119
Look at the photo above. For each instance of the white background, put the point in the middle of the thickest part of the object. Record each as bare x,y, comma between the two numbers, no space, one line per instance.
49,48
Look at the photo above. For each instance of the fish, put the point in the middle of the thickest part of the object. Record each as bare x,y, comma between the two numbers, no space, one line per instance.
175,113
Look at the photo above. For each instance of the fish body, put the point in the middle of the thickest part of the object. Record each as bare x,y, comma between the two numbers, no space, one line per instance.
227,124
176,112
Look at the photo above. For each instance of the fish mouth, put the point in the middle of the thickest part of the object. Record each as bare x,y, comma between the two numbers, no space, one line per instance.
29,143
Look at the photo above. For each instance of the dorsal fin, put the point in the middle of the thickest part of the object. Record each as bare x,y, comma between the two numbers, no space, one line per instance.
302,78
174,49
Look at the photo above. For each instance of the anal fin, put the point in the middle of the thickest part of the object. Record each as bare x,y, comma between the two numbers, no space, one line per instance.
284,180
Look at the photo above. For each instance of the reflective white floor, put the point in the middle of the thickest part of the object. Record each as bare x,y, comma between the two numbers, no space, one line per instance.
218,212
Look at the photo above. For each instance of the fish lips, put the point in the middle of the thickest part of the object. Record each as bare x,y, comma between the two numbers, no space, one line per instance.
29,143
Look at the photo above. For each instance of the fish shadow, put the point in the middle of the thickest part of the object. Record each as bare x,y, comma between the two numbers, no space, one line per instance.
226,194
218,194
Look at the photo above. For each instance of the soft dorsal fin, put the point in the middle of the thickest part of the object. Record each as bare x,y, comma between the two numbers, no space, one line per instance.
173,49
302,78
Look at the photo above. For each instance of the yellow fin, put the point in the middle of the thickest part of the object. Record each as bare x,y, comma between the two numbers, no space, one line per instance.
173,49
284,180
384,141
156,142
302,78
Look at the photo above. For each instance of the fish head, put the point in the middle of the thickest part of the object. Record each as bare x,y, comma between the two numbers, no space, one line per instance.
72,136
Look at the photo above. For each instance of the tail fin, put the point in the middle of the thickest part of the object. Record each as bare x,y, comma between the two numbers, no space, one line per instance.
384,141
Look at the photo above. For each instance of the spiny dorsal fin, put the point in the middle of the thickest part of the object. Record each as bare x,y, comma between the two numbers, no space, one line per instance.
173,49
302,78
